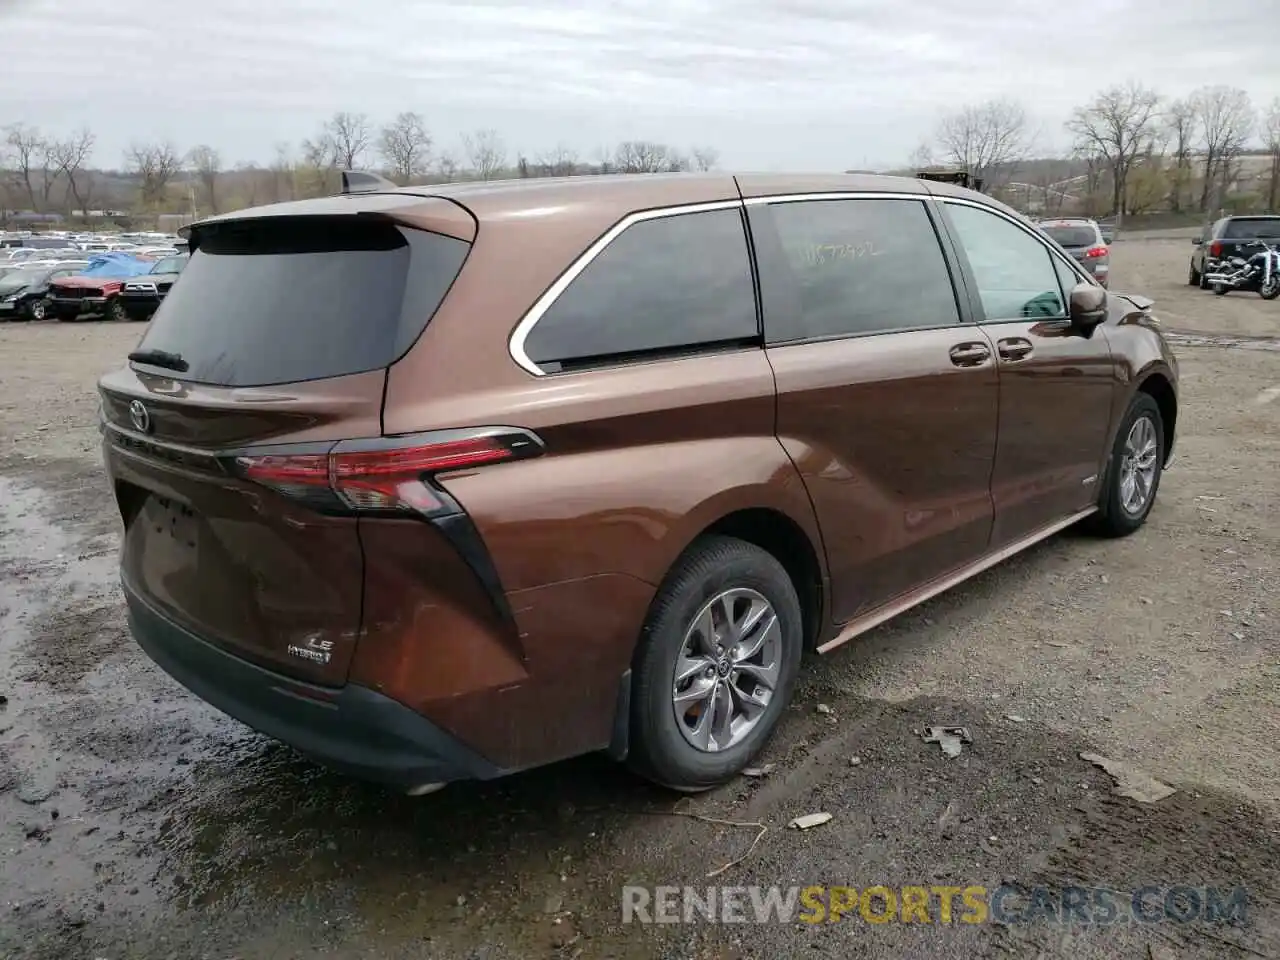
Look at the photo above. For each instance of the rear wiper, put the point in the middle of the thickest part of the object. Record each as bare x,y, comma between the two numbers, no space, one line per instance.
160,358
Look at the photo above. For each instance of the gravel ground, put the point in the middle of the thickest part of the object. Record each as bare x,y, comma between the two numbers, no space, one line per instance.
135,822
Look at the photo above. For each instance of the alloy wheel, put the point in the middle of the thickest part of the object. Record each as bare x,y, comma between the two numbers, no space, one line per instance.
1138,466
727,669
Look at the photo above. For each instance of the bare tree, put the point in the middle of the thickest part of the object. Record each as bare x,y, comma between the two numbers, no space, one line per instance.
405,145
340,143
486,153
985,139
560,161
447,165
1117,126
921,157
29,155
155,165
705,158
283,173
1271,140
206,164
1226,119
1182,125
645,156
70,158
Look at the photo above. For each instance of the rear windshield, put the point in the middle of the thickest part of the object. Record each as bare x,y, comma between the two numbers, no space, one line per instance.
290,299
1072,236
1252,229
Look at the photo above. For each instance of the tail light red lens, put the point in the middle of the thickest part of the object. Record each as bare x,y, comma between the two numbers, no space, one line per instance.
1215,249
1094,252
382,475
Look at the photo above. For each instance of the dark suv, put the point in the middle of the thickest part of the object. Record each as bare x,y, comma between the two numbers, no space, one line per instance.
447,482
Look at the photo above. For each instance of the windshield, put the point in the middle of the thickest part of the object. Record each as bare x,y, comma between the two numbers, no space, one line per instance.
169,265
14,278
1252,229
1073,236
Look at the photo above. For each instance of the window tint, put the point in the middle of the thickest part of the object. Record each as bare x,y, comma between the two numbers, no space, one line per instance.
862,266
288,299
1014,271
666,284
1073,236
1253,229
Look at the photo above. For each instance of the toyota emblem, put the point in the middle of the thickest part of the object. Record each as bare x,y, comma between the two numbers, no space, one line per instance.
140,417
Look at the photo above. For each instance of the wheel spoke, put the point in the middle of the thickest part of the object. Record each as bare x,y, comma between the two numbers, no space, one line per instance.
689,667
704,631
751,704
721,708
700,690
765,628
700,734
764,674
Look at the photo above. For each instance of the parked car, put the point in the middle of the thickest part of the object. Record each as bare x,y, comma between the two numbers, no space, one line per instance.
1227,238
1082,239
445,486
95,290
141,297
24,292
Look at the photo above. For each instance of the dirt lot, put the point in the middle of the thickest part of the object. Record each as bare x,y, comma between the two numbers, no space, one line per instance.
137,822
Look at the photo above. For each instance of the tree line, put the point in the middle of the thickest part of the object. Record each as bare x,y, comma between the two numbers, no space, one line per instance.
44,173
1131,151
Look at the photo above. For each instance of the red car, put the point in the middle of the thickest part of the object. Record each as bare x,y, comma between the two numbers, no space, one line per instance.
77,298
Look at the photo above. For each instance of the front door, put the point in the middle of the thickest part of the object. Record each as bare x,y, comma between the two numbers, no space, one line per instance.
887,398
1056,383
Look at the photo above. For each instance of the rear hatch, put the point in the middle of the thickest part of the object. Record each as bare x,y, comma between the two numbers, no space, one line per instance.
1076,239
279,333
1241,234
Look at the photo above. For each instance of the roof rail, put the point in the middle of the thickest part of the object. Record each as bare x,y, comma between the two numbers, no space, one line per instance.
361,181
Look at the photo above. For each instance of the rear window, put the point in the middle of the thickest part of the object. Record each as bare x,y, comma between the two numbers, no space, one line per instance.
1252,229
291,299
1073,236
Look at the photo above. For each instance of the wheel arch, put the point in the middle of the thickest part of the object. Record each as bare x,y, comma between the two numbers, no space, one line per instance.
1157,385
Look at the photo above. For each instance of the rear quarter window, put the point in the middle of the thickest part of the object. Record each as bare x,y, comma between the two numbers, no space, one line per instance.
283,300
667,285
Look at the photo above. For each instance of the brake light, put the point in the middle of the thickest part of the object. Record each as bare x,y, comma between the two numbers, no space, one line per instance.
1215,249
382,475
1094,252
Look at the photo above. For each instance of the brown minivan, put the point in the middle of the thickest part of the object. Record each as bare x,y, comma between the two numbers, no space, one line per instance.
445,482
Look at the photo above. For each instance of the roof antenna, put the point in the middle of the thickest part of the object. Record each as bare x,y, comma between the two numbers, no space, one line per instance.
361,181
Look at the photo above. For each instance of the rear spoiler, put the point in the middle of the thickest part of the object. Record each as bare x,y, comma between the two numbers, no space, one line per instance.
361,181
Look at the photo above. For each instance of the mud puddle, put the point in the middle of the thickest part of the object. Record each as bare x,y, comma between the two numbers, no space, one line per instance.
1240,342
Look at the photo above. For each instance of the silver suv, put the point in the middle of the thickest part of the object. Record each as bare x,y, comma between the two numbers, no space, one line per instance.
1082,239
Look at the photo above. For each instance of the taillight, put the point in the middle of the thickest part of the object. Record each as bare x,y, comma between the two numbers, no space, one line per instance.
1215,249
386,475
1094,252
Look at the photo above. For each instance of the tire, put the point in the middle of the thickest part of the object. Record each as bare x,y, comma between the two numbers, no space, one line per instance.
1193,278
663,738
1204,281
116,311
1271,288
36,310
1115,518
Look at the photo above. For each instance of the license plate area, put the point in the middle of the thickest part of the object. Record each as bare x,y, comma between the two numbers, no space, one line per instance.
176,520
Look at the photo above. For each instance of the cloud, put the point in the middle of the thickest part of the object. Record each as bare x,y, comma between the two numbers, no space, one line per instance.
792,84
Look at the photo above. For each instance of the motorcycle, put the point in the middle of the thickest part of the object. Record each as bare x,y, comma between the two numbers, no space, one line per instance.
1260,271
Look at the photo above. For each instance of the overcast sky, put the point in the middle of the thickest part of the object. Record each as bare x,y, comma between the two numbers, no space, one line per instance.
791,84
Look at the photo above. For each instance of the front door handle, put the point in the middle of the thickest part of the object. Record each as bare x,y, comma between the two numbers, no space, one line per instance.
970,354
1014,349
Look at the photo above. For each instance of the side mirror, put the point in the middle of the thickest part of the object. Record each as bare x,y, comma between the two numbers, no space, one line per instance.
1088,306
1196,241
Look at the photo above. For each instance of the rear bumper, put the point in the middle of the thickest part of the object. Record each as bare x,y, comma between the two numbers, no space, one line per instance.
351,729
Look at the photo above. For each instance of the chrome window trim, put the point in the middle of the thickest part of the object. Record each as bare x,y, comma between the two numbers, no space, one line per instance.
840,195
515,345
